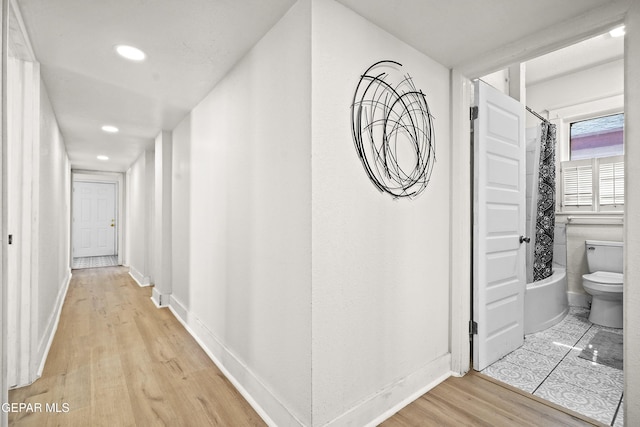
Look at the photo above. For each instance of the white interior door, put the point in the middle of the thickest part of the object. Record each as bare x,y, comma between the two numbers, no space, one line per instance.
94,219
499,221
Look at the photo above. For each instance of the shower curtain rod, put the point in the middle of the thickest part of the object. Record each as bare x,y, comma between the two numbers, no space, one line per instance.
536,114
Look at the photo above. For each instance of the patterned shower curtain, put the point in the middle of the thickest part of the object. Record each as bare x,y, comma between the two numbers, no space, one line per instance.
545,216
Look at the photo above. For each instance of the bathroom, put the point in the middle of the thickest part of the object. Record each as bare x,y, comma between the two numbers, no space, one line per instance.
575,84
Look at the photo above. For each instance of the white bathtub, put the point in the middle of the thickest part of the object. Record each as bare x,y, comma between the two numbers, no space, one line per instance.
546,302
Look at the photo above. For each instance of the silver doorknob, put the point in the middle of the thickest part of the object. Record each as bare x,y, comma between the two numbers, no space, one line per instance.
525,239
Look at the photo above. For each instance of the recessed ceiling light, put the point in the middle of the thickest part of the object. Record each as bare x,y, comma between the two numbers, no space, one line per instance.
130,52
109,128
617,32
101,157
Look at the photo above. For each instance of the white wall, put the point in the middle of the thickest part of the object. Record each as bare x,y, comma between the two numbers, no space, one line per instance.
54,206
381,278
242,221
595,83
499,80
38,217
266,184
532,136
140,218
35,210
632,218
162,220
180,212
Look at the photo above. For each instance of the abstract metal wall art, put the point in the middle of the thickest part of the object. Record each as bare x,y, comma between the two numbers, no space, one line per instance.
393,130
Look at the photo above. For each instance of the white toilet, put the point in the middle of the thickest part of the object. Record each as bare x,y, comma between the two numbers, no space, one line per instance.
604,282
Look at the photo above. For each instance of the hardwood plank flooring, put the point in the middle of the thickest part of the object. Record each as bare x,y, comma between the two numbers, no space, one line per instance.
117,360
477,400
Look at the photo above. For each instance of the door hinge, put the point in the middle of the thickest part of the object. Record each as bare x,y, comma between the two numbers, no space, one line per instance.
10,239
473,113
473,327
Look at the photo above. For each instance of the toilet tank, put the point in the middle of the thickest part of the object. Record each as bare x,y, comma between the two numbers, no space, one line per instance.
604,256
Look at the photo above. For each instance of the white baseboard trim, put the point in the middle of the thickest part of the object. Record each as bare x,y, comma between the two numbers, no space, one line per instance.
393,397
180,311
140,279
396,395
579,300
270,408
52,325
160,300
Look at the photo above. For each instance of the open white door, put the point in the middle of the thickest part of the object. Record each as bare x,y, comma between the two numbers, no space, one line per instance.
499,221
94,216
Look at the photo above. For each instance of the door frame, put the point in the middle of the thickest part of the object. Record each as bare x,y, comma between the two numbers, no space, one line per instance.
116,178
462,216
21,217
4,387
461,302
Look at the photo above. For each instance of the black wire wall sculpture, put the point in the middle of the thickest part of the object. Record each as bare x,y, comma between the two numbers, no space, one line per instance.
393,130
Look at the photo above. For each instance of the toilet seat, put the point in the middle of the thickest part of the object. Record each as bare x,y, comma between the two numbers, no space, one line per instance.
605,277
605,281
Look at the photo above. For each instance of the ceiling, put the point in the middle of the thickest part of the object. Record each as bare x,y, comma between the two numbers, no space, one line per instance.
458,32
589,53
188,50
192,44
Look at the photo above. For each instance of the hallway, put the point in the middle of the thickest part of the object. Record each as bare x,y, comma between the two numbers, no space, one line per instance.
118,360
244,199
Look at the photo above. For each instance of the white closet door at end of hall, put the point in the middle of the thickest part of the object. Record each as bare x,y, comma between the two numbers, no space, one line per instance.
94,219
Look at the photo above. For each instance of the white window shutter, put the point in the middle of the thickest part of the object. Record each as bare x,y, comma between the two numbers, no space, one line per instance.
611,182
577,183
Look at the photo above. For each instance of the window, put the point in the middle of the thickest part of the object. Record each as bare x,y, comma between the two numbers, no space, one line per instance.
599,137
593,180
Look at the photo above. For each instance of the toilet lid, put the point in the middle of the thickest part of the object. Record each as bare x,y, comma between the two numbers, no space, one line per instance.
605,277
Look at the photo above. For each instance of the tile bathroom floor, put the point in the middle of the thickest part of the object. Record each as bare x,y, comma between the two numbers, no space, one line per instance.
548,366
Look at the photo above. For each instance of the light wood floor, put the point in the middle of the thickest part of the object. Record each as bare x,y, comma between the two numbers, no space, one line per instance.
117,360
477,400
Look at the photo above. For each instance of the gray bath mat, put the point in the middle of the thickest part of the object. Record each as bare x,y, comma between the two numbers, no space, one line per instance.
604,348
